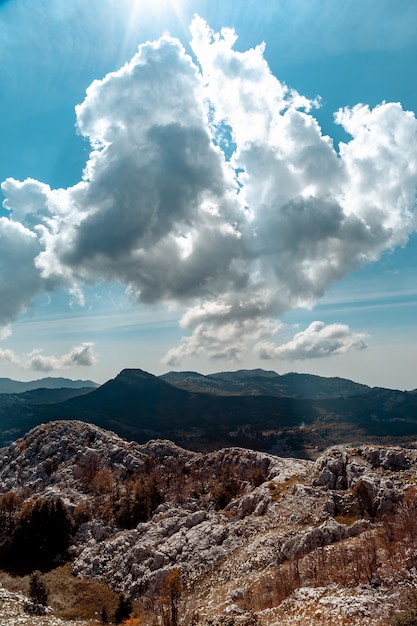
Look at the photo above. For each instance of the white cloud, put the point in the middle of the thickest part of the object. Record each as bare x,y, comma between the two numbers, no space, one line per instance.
222,330
316,341
35,360
238,238
20,280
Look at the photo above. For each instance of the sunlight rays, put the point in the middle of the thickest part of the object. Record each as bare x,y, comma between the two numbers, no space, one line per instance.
159,15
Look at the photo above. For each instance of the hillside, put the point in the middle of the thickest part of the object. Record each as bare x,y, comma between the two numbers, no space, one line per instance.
140,406
249,537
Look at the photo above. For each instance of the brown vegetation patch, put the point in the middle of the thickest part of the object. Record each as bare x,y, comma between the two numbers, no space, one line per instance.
71,598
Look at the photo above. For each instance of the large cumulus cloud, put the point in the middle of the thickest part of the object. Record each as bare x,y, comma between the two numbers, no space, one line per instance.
209,183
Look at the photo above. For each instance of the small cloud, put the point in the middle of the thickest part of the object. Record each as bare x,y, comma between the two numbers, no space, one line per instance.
316,341
5,331
35,360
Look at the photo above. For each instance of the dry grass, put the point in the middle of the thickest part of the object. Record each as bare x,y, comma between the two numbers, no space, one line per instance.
70,597
346,519
278,489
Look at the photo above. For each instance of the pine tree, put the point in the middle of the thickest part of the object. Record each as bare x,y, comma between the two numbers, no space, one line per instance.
42,531
123,609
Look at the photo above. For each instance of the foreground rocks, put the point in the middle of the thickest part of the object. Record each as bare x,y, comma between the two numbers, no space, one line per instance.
248,531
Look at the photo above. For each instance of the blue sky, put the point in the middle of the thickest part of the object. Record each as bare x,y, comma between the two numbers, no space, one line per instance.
202,205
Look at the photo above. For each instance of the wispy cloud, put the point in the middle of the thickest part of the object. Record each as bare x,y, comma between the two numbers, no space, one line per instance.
298,26
239,238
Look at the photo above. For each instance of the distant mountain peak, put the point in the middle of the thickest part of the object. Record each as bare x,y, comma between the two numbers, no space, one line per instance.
133,372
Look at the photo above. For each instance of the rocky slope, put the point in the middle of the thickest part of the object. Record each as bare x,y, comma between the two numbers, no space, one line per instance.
290,541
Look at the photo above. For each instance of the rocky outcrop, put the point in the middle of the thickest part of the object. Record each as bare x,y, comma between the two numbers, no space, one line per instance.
317,537
207,498
371,478
223,518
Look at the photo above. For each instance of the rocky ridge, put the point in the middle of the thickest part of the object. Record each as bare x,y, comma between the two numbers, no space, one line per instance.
249,532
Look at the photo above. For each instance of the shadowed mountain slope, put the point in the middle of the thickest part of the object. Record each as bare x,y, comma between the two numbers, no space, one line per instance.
140,406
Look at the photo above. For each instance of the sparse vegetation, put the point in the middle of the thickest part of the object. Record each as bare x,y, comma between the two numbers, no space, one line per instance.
71,598
406,612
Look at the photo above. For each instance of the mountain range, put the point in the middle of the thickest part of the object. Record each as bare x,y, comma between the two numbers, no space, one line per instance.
266,383
291,415
7,385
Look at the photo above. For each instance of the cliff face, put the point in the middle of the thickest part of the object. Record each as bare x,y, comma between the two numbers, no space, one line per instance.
287,540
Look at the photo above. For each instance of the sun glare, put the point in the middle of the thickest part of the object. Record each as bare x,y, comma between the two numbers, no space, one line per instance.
163,12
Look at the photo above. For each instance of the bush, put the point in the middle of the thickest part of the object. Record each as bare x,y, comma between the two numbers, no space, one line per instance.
406,614
224,492
38,591
138,504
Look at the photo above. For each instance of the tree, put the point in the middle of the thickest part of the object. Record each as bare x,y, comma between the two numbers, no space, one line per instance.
138,503
123,609
38,591
10,504
170,598
42,531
